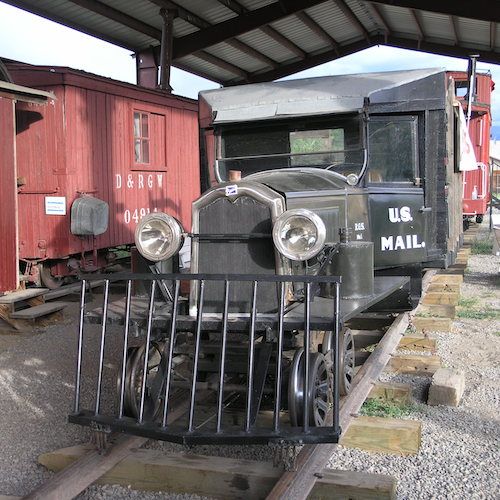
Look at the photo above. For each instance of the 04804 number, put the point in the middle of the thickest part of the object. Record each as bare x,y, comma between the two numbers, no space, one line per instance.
136,215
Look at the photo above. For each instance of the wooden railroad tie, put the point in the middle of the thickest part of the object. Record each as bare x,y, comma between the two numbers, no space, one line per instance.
153,470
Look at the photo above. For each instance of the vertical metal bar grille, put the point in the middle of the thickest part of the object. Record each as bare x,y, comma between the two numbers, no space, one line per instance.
279,354
125,347
307,342
220,397
251,353
336,360
146,351
78,374
101,349
168,376
196,354
252,356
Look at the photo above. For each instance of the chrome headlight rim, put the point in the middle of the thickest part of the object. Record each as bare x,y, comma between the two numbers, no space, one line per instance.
320,234
172,224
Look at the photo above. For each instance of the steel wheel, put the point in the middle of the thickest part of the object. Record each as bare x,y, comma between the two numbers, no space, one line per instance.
347,358
133,381
317,391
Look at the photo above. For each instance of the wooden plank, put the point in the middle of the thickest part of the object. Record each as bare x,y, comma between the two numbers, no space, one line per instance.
384,435
69,482
448,278
20,295
342,485
298,484
219,477
444,298
422,324
18,324
444,287
435,310
70,289
415,364
418,342
90,466
39,311
395,393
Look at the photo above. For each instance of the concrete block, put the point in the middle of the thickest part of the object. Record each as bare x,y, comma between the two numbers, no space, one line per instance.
447,387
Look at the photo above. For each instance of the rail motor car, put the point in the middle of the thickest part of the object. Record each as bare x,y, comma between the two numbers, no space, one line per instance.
102,155
324,198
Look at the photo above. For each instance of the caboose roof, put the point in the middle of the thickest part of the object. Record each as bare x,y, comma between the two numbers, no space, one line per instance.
26,94
314,96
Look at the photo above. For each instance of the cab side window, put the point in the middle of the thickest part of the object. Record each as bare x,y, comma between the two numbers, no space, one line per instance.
392,143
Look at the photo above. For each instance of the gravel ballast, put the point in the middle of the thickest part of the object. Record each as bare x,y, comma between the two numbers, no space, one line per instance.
459,457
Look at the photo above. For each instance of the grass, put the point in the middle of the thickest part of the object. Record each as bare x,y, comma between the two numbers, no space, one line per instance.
382,408
479,314
468,308
482,247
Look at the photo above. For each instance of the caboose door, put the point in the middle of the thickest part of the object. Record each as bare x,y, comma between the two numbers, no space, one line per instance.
396,200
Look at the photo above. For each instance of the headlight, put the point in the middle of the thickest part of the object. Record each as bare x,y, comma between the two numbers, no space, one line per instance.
158,236
299,234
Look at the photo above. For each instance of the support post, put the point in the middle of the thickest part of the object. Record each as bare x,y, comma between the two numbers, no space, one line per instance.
166,48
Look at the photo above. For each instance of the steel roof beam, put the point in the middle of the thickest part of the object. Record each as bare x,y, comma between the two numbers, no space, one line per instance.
268,30
201,23
484,10
239,25
461,51
28,7
286,69
454,24
318,30
119,17
420,30
493,36
346,10
381,16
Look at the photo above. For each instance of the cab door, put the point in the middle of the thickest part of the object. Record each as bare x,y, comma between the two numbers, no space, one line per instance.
396,199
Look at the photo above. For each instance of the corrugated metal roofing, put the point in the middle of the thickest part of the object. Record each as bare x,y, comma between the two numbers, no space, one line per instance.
267,39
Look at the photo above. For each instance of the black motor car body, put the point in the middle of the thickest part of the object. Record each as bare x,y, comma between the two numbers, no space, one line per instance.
323,199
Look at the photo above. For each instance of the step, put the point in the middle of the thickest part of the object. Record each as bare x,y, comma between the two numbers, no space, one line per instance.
64,290
39,311
30,293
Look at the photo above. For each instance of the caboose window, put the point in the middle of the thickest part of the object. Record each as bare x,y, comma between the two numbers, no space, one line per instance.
141,137
392,146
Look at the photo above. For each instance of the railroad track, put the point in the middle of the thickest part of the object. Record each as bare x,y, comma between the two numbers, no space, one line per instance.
310,462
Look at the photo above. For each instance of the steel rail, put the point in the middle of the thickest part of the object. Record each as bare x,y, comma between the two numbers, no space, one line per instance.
312,459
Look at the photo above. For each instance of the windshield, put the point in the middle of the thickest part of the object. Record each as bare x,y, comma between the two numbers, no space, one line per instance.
335,145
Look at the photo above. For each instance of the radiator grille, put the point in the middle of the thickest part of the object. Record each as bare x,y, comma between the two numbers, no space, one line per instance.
254,256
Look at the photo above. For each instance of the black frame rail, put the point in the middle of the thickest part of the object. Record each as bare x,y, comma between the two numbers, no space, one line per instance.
260,377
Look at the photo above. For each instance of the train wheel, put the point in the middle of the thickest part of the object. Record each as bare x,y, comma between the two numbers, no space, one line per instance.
133,382
479,218
347,358
317,391
47,279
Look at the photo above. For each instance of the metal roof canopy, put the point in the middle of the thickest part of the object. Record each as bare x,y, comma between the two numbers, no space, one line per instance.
249,41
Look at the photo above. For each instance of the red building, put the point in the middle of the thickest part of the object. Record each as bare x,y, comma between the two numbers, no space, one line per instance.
135,149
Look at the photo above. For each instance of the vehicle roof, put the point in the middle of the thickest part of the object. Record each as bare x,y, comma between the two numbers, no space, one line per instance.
310,96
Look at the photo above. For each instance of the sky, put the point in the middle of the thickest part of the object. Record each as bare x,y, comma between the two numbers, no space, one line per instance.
49,43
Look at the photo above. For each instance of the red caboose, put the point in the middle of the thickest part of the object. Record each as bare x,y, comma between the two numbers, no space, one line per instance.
476,193
91,164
